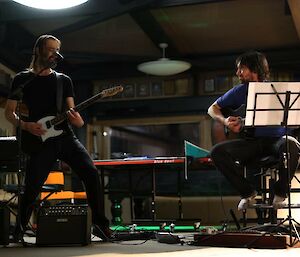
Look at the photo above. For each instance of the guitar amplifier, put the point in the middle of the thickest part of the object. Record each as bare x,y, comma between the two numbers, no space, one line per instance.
63,224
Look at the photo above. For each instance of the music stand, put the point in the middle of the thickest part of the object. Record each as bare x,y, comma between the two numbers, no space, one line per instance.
276,104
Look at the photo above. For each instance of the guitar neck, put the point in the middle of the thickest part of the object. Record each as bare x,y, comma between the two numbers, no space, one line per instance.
63,116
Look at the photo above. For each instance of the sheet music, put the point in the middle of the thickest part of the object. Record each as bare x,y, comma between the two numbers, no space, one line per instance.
264,107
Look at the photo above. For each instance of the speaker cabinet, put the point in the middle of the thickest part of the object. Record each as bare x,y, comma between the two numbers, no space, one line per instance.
4,224
63,225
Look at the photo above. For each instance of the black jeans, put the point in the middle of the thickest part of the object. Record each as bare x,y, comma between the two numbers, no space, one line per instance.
225,156
68,149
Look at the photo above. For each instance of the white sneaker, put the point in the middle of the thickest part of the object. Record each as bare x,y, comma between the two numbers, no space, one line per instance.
244,202
278,202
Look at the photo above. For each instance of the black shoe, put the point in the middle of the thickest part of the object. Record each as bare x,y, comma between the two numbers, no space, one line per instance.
105,233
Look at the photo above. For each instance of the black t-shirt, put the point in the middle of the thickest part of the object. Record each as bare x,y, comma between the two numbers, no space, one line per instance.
39,95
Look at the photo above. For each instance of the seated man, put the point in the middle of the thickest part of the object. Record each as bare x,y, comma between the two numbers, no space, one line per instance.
251,67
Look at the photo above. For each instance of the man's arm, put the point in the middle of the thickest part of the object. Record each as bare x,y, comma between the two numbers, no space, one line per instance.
232,122
11,115
215,112
73,116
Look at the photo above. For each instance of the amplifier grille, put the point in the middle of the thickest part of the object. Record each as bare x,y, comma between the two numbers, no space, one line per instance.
64,224
68,210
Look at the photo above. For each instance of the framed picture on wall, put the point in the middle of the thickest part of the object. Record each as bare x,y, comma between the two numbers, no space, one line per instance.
209,86
169,87
143,90
182,86
156,88
129,91
222,83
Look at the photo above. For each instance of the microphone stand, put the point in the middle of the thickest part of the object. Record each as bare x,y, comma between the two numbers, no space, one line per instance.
19,174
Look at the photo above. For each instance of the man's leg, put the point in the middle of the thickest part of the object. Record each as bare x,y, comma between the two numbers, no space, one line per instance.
37,170
225,156
80,162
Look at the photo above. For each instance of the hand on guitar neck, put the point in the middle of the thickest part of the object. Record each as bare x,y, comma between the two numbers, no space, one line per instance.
36,133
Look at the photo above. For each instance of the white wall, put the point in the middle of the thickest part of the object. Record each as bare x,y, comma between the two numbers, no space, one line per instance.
6,129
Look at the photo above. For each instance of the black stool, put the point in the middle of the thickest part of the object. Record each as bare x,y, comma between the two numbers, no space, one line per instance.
268,172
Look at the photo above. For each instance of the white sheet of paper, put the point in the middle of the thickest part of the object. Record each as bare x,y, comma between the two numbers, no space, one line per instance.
268,109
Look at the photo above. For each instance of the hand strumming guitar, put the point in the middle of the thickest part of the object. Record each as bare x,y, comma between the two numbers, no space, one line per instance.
34,128
234,123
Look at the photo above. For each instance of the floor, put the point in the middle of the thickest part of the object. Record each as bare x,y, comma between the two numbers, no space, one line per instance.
140,248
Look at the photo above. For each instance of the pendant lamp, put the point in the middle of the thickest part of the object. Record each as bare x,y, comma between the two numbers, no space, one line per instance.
50,4
163,66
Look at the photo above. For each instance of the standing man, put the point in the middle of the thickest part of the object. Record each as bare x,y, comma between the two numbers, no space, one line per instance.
251,67
40,90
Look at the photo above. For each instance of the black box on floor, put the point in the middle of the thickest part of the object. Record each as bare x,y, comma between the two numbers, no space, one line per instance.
4,224
63,224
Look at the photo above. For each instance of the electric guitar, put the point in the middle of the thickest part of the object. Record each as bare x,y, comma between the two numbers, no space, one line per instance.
32,143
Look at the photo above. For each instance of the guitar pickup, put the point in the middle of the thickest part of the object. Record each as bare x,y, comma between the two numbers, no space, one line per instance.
48,124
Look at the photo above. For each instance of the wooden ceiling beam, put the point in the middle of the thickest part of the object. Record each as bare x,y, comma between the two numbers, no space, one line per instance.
294,8
172,3
114,8
153,30
13,41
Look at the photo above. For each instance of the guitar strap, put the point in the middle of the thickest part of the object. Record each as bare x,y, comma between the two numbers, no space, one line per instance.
59,92
60,104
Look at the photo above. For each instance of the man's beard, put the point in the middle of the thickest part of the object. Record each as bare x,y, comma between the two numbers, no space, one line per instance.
244,81
47,63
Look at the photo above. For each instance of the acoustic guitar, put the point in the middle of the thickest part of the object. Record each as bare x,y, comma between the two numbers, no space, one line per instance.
221,133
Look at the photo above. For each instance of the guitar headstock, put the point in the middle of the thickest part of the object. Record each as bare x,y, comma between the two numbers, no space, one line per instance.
111,91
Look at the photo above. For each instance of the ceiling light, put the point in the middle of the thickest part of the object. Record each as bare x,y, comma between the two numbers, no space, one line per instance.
164,66
50,4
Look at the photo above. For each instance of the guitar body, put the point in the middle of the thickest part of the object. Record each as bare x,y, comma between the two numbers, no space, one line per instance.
220,133
50,129
32,143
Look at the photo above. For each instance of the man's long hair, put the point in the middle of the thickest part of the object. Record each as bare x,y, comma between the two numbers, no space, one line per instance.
38,48
256,62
